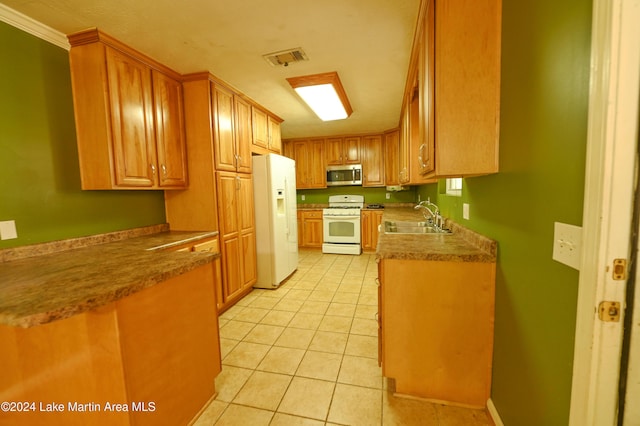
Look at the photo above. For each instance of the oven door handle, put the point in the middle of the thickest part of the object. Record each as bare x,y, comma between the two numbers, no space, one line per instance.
342,217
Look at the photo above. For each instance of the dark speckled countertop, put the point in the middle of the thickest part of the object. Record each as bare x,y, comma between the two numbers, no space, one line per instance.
52,284
463,245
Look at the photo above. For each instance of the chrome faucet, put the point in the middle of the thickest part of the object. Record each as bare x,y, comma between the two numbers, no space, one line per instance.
433,212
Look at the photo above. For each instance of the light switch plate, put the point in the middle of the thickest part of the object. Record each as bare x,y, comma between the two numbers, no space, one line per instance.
465,211
8,230
567,244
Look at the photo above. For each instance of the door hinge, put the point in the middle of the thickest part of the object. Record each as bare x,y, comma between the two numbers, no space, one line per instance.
609,311
619,269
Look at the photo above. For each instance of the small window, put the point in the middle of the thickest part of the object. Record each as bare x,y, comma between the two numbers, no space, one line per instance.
454,187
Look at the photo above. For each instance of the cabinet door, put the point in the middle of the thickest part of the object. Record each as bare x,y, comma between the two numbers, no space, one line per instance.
133,134
301,156
170,132
223,133
246,213
230,238
391,163
365,232
317,168
351,150
333,151
426,69
372,161
243,134
260,127
312,228
275,137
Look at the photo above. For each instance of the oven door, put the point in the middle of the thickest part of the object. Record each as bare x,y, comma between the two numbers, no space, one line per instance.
341,229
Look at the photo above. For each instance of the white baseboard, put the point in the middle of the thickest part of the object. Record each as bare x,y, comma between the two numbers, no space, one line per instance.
494,413
33,27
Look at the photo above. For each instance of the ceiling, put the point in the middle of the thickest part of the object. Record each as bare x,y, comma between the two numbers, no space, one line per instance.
367,42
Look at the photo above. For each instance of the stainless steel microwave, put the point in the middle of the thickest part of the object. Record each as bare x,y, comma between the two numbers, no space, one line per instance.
350,174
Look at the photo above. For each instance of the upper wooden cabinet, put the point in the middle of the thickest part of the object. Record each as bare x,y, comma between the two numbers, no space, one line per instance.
310,167
129,116
266,132
450,119
373,161
391,152
232,130
340,151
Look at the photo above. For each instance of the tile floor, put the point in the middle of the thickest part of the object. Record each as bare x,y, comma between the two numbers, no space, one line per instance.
306,354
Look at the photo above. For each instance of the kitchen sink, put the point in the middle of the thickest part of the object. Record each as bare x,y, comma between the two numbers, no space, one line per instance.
413,228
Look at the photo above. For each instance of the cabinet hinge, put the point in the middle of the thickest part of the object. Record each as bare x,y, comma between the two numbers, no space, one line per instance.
609,311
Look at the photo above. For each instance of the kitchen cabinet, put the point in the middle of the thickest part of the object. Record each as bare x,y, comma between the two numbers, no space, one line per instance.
266,132
310,167
450,120
129,351
275,135
391,157
129,116
373,161
310,229
339,151
232,131
237,235
370,221
436,328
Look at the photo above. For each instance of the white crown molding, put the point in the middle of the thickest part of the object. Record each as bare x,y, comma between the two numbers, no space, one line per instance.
33,27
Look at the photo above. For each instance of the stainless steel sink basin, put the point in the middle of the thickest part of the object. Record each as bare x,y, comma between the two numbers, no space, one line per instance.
412,228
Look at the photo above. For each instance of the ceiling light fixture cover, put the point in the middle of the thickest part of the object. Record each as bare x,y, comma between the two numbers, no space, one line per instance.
324,94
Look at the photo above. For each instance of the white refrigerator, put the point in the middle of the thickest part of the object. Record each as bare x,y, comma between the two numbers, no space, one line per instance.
274,189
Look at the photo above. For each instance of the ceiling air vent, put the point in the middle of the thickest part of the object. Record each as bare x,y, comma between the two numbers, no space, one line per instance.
286,57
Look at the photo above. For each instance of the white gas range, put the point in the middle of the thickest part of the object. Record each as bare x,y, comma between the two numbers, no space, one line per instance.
341,224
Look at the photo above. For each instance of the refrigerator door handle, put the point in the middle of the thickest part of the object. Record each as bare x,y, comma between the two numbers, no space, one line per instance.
286,205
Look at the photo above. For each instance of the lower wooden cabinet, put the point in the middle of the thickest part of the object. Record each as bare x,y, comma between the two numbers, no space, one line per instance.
436,328
237,235
369,223
155,353
310,228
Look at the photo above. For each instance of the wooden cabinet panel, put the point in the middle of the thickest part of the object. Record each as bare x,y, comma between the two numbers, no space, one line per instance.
369,229
170,130
133,134
373,161
391,162
243,134
310,229
260,127
224,137
275,136
452,306
340,151
129,116
237,235
310,163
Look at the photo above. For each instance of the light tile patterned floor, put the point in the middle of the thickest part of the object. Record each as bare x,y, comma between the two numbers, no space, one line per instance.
306,354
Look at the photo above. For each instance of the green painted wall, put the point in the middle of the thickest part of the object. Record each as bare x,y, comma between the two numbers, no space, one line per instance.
545,84
371,195
39,172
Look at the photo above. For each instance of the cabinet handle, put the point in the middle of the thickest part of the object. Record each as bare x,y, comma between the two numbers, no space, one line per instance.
153,169
164,170
420,157
378,282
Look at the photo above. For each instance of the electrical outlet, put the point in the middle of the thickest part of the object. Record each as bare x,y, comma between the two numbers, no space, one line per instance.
465,211
303,197
388,196
567,244
8,230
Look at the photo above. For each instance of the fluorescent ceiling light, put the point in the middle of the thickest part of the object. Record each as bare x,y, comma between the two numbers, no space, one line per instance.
324,94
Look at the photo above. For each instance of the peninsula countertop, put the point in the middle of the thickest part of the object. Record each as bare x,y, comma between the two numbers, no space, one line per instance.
463,245
47,287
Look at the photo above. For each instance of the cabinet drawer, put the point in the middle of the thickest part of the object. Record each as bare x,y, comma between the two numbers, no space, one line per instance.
312,214
211,246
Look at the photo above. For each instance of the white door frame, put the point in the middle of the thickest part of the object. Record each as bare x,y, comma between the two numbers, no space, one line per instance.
608,202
